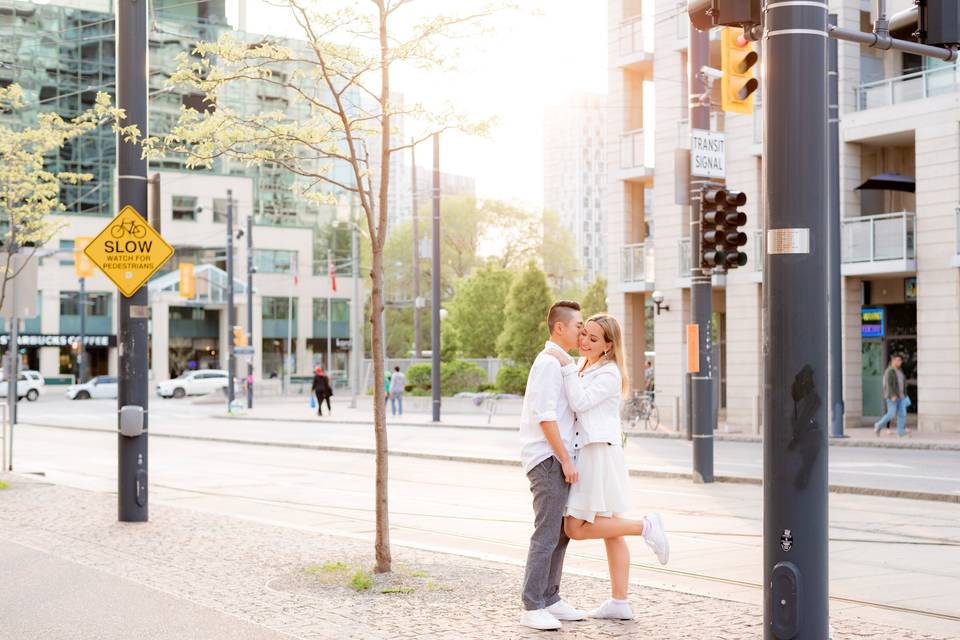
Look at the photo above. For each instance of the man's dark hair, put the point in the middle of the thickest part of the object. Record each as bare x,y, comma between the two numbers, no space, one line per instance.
561,311
897,355
397,369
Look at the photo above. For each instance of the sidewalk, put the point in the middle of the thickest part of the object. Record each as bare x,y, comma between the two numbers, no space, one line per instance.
238,579
296,410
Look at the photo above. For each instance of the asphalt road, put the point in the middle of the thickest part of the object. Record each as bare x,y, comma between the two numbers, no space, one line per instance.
919,470
902,556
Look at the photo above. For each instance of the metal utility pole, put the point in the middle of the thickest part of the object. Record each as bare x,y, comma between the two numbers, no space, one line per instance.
231,309
250,271
834,279
795,413
435,277
417,351
329,362
83,330
701,285
13,347
133,396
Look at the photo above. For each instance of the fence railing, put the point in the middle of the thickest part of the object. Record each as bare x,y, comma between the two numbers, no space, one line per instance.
632,150
636,263
889,236
911,86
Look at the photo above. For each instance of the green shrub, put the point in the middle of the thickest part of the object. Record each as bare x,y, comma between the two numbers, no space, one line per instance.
361,581
486,387
418,376
512,380
460,375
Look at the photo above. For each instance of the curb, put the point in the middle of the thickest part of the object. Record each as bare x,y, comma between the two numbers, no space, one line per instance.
665,435
510,462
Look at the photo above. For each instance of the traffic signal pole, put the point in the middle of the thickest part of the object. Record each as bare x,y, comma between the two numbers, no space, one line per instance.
133,311
701,287
250,270
834,278
231,309
796,419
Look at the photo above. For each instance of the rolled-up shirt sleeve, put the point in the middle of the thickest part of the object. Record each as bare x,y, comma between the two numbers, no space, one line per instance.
547,384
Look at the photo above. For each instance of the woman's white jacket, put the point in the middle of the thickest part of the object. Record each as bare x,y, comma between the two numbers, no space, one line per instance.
595,397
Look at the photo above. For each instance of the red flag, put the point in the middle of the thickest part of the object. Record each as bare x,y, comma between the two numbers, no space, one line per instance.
332,270
294,268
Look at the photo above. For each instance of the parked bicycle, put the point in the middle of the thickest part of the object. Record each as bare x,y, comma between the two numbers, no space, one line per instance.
640,407
130,226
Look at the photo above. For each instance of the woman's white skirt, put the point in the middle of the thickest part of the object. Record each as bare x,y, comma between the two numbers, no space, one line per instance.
602,489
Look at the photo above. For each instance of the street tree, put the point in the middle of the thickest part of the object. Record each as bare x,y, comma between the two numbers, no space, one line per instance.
336,137
558,255
595,299
29,192
477,311
525,317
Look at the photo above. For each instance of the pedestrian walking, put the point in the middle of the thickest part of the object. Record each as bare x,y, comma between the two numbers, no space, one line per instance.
895,395
398,384
386,387
322,389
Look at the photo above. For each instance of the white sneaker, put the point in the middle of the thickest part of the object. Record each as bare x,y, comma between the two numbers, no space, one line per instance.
563,611
539,619
611,610
656,537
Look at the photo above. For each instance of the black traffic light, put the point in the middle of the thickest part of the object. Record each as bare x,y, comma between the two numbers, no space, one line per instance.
720,222
939,22
705,14
712,203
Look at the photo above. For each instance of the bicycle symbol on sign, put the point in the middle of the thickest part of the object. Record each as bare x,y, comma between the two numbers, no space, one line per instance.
130,226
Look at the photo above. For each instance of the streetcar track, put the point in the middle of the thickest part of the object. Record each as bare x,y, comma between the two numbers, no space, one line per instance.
318,509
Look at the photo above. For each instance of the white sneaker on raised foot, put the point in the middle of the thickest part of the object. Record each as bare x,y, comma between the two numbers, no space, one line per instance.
611,610
563,611
539,619
656,537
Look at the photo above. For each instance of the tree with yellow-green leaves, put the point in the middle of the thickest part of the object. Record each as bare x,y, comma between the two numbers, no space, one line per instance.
333,126
29,192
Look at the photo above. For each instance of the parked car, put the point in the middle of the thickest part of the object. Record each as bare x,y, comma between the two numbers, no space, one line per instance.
98,387
193,383
29,384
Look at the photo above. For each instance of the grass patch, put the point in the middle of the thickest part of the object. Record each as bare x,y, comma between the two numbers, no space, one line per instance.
401,590
4,485
433,586
360,581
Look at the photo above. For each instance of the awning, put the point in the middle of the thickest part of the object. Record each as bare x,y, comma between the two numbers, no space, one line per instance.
891,182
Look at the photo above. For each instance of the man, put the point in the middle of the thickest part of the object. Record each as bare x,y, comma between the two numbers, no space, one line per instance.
895,395
648,378
398,384
547,435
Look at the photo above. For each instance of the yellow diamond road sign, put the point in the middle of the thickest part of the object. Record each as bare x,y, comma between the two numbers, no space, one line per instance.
128,251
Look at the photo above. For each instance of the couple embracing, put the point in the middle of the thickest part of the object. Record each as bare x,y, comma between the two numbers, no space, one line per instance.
573,456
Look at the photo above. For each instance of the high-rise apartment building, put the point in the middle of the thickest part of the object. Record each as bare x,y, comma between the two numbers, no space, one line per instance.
575,174
900,259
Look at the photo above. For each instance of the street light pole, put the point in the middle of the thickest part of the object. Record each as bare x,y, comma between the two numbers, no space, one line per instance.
83,330
250,271
132,397
356,340
435,276
231,309
796,423
701,285
417,351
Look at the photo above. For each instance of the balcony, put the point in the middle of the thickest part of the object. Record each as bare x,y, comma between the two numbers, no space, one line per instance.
636,156
909,87
636,268
636,44
881,244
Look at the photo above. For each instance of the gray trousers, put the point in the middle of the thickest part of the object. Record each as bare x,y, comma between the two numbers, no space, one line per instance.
548,544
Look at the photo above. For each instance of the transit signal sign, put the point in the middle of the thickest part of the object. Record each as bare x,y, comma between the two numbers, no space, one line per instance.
128,251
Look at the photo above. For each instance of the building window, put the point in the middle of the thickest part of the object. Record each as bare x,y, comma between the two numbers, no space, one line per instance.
340,310
276,308
220,210
185,208
274,260
66,245
98,304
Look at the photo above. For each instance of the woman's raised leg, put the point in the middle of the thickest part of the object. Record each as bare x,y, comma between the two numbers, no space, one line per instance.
601,528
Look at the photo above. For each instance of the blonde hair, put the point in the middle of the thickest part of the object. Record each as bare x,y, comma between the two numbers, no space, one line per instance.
614,335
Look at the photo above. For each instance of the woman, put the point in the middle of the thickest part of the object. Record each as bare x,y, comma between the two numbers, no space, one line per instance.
322,389
594,388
